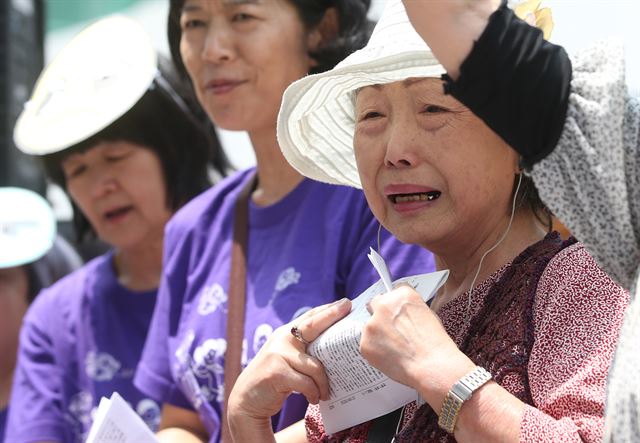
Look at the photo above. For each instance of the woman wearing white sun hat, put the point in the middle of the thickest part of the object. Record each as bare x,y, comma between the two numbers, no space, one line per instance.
108,123
525,309
32,257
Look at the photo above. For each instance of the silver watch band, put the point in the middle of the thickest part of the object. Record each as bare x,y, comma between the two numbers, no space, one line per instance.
460,392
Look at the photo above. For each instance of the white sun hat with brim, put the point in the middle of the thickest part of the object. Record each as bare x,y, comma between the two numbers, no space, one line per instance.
317,117
95,79
27,227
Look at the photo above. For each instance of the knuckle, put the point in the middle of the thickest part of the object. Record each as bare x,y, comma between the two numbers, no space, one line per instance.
379,302
367,331
404,290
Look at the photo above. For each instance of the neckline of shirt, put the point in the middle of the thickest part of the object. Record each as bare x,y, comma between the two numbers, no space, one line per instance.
108,278
266,216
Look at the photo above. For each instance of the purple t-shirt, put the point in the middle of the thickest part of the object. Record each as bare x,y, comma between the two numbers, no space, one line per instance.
308,249
3,422
81,340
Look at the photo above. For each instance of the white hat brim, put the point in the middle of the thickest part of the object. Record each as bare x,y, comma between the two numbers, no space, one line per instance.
94,80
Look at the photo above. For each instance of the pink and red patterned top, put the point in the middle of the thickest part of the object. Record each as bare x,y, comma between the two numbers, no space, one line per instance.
564,337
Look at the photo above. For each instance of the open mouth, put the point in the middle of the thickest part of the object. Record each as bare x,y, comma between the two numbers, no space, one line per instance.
117,213
414,197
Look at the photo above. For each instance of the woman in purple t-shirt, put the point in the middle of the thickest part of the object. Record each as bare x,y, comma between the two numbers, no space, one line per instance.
112,130
307,241
32,257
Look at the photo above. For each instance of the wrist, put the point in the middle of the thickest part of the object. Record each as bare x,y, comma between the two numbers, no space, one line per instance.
458,395
434,378
491,414
247,428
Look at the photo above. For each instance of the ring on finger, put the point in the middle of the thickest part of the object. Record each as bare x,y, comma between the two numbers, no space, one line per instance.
298,335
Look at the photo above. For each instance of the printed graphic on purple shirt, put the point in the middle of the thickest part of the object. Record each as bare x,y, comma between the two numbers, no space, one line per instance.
81,340
308,249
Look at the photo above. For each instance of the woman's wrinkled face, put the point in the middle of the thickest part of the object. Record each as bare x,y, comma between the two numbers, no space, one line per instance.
431,170
120,188
241,55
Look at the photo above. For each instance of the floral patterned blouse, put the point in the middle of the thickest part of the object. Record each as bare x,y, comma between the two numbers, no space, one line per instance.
577,314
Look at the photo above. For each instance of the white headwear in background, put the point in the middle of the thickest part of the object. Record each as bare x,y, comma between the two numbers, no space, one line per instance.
96,78
27,227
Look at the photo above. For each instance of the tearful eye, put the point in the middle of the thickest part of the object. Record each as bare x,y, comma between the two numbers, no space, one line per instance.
433,109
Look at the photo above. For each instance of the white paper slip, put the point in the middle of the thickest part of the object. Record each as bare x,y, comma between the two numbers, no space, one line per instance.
116,422
358,391
381,266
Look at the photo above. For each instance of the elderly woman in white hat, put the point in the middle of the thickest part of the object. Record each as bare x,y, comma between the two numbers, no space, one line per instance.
517,344
110,127
32,257
589,178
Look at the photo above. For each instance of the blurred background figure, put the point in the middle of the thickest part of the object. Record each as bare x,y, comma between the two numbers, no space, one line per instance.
32,257
33,32
112,130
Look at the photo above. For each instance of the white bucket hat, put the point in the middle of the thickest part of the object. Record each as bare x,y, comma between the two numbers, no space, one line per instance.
27,227
94,80
317,117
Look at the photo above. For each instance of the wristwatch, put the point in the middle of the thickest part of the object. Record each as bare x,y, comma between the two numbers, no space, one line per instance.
458,394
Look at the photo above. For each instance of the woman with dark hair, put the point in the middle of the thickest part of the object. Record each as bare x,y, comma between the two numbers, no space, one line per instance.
517,343
306,242
32,258
178,136
112,130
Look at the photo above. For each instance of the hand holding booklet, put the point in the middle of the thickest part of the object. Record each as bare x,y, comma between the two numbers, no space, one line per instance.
358,391
116,422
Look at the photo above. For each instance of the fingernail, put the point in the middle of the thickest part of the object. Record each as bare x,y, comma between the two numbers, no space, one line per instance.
339,302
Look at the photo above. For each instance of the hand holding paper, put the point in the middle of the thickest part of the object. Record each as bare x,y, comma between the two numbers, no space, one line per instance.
360,392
